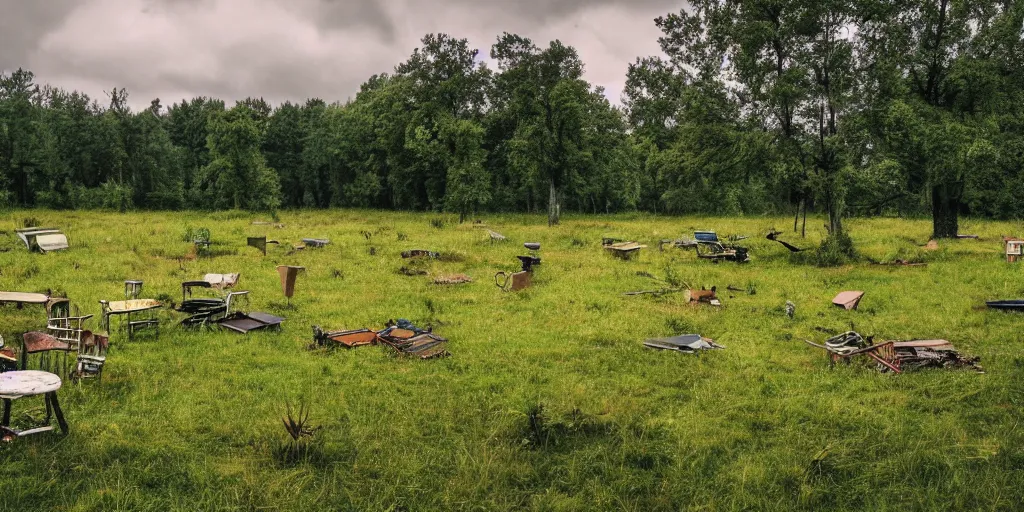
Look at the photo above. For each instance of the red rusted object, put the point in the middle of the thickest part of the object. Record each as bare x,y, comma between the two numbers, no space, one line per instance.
41,342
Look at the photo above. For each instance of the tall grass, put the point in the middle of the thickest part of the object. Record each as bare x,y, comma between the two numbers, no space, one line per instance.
549,401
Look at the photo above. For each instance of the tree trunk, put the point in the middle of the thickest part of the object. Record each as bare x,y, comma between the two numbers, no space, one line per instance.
803,228
553,206
796,217
945,206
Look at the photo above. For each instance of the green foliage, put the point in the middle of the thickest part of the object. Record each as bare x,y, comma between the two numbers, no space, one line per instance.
835,250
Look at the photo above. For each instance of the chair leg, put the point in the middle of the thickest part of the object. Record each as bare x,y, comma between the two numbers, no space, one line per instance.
57,412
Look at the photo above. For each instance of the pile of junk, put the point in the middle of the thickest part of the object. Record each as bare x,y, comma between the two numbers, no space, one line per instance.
406,339
896,356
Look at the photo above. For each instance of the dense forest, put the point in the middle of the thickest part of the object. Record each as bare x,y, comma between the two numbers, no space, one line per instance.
867,107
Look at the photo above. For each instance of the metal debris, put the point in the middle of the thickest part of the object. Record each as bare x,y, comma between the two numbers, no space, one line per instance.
411,341
350,339
1006,305
896,356
687,343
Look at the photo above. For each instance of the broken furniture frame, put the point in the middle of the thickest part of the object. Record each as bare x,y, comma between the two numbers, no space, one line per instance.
848,345
128,308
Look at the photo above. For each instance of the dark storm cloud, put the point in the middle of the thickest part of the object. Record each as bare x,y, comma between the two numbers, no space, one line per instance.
293,49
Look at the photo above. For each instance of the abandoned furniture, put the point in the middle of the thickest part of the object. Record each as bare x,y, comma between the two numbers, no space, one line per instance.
204,311
65,328
682,243
202,240
34,342
1014,249
260,243
624,250
705,236
687,343
848,300
21,298
896,356
137,313
715,251
92,355
245,322
21,384
43,239
350,339
409,341
132,289
287,274
316,243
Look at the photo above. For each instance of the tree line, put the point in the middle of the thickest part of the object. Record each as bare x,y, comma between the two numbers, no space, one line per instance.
867,107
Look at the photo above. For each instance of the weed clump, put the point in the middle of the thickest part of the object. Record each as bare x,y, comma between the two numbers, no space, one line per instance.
835,250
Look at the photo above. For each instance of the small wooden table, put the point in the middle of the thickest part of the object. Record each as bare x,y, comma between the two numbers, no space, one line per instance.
15,385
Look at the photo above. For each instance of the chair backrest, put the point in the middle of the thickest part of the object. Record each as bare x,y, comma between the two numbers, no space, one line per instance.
92,354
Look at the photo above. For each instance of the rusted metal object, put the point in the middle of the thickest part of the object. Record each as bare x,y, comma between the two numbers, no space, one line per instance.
287,274
896,356
848,300
350,339
513,282
411,341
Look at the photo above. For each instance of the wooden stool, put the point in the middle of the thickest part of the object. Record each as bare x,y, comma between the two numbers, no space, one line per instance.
15,385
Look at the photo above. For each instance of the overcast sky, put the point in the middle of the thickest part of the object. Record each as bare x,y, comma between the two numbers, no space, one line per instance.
294,49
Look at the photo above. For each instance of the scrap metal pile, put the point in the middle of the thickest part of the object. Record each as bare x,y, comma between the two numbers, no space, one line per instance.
897,356
406,339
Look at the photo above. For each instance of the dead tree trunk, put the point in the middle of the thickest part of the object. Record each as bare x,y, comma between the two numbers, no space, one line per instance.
945,206
554,209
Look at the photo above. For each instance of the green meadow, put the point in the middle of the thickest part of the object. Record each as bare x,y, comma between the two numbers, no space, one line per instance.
549,400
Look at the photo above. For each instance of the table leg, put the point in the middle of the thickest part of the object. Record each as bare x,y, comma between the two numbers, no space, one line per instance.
57,412
7,412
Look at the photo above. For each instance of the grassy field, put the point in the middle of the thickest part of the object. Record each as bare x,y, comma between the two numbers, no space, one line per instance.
192,420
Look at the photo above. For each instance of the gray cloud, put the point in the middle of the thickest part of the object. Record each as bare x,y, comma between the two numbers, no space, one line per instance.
294,49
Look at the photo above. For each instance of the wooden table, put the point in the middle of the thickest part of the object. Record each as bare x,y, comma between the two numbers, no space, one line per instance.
15,385
20,298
